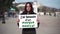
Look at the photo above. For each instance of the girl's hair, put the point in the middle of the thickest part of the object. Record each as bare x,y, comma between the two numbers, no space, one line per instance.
31,11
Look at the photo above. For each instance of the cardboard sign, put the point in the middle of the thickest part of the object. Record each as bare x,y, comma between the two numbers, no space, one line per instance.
28,21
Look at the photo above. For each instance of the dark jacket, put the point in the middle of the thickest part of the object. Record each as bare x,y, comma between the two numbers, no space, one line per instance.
27,13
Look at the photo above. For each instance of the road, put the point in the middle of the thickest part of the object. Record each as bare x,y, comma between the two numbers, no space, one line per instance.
48,25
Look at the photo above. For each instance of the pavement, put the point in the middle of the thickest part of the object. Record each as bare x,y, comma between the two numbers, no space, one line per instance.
48,25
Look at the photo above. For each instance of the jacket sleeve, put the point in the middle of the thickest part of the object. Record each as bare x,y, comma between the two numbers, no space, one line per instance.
18,20
38,22
18,24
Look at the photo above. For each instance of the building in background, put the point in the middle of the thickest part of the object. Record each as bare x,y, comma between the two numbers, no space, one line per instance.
41,8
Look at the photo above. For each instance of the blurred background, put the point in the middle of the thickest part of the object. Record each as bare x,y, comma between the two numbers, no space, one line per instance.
48,14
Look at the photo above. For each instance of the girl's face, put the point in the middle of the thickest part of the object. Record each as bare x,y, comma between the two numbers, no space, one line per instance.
28,8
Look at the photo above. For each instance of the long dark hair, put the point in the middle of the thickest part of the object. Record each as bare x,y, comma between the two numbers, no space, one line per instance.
31,11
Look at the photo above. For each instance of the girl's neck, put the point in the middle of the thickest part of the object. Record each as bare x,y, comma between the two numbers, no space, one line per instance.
27,12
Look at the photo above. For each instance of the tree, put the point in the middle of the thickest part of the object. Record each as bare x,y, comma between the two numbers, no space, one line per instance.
5,4
16,9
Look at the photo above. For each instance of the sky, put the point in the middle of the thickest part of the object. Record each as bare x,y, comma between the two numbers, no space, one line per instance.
49,3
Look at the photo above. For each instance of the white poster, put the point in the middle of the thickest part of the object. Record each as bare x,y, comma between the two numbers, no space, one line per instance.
28,21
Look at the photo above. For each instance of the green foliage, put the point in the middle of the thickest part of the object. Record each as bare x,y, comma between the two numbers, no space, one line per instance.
16,9
5,3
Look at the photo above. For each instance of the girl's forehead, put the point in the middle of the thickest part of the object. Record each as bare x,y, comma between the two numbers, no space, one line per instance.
28,5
